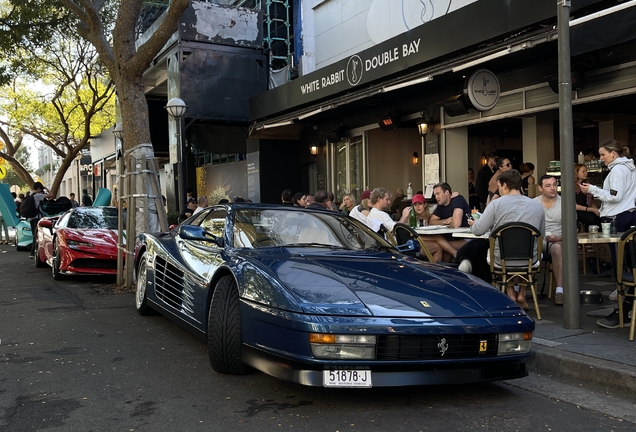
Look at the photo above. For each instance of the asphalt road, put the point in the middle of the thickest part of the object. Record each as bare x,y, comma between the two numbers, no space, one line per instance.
75,356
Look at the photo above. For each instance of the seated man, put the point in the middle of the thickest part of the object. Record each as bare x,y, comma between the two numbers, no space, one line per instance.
380,204
451,210
551,202
513,206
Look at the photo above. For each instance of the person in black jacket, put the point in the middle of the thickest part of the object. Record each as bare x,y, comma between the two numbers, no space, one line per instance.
87,201
483,178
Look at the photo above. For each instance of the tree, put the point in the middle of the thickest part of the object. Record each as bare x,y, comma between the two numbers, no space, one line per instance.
73,101
26,22
126,62
12,177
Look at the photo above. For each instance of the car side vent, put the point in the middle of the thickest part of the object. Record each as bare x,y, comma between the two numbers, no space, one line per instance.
170,287
431,347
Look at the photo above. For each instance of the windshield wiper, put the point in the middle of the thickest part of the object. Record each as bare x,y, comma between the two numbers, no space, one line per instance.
375,248
321,245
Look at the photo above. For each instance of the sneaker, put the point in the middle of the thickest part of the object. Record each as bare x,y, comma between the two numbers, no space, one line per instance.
558,299
465,266
31,256
611,321
613,295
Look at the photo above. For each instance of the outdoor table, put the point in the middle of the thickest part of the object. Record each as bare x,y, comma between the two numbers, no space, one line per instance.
440,229
596,238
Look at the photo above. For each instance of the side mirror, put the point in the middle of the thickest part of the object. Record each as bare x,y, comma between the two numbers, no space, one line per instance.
192,232
46,223
411,246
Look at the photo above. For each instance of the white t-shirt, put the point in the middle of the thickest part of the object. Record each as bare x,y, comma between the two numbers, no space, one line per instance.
383,217
371,223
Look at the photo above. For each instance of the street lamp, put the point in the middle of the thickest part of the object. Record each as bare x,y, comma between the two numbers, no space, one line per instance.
176,108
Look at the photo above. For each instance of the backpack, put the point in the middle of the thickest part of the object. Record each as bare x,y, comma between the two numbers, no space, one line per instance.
28,208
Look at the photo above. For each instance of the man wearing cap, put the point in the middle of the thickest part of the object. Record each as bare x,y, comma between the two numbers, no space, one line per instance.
189,211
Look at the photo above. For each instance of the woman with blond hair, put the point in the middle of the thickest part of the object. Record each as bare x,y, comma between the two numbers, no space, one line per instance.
348,203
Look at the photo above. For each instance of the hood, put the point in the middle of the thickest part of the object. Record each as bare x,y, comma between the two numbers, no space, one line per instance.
386,286
627,162
99,238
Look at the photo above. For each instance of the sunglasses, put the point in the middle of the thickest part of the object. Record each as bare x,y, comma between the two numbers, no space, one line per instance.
506,165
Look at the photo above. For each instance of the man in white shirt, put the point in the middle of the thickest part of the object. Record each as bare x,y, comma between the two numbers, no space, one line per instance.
202,202
380,204
551,202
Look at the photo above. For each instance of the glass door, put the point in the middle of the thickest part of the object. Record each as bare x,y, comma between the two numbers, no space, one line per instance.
349,173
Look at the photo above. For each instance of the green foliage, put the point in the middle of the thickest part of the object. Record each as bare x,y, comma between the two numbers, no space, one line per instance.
26,25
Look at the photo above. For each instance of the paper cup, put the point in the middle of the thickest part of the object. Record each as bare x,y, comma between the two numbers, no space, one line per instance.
593,229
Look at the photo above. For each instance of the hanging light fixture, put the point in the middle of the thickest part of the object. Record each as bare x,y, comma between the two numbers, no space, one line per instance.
423,125
484,156
313,150
416,158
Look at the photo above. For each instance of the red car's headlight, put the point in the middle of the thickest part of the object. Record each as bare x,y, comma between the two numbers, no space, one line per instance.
74,244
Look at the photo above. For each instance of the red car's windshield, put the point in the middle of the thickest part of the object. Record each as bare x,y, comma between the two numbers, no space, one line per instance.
93,217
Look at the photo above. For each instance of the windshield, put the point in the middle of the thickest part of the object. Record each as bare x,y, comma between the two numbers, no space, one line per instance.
258,228
93,217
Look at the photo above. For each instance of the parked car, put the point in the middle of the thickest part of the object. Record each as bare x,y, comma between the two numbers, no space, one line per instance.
316,298
81,241
23,235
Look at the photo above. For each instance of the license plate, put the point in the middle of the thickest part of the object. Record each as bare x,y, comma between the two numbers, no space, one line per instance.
347,378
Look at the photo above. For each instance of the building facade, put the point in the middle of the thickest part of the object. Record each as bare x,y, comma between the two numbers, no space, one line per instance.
480,74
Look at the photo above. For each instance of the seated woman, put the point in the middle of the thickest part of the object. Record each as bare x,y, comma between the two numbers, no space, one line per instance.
348,203
436,244
586,211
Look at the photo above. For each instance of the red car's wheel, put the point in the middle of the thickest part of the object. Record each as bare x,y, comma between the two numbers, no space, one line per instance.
38,262
56,262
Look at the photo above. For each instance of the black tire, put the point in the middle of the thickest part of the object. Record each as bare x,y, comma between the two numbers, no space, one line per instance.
55,268
38,262
224,329
141,302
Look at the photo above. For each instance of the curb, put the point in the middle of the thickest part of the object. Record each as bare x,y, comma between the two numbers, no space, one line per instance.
607,375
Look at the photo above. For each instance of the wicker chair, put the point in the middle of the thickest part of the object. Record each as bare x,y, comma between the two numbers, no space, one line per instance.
520,245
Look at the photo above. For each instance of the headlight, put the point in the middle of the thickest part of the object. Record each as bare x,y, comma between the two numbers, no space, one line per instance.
342,347
514,343
73,244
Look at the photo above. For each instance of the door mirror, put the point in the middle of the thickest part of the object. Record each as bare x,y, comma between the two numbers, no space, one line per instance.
194,232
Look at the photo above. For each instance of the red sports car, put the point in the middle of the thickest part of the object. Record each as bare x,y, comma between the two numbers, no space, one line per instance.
81,241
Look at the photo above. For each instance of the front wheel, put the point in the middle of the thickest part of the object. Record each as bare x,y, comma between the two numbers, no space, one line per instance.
55,268
141,302
224,329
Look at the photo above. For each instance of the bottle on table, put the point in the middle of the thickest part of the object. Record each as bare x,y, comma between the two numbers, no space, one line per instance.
412,218
409,192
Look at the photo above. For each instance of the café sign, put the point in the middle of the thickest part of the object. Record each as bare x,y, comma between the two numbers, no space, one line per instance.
359,64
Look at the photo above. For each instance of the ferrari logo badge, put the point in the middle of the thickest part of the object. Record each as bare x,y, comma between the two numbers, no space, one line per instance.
483,346
443,346
425,304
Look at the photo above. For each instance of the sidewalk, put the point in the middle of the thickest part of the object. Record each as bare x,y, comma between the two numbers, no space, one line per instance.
599,357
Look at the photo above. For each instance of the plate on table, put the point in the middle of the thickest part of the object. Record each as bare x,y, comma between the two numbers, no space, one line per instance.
431,227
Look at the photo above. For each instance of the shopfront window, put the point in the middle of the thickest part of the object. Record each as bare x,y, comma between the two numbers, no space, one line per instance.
349,168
